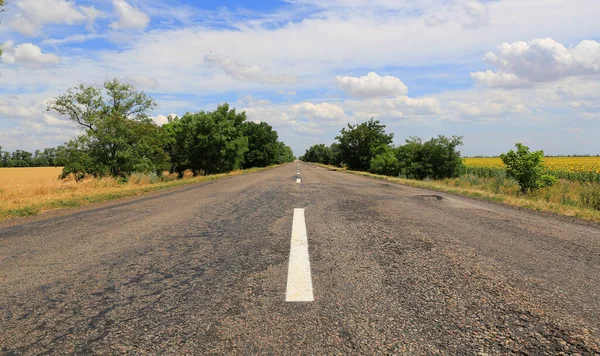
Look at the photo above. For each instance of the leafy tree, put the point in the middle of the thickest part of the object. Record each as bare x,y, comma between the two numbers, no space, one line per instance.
385,163
318,154
358,144
208,142
284,153
437,158
526,168
263,147
120,138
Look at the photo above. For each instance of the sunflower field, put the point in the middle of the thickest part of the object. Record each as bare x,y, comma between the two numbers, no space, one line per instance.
580,169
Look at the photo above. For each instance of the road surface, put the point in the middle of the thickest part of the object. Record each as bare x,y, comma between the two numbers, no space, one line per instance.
376,268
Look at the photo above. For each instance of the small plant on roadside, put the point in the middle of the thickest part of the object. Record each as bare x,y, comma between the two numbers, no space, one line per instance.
527,168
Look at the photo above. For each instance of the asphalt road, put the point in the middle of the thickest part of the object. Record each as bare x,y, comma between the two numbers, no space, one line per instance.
395,270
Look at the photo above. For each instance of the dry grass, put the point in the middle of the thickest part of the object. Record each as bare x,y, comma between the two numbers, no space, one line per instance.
29,191
564,198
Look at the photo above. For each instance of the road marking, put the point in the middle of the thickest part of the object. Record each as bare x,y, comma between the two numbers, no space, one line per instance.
298,180
299,281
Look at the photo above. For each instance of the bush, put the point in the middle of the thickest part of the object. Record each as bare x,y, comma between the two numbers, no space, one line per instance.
547,180
437,158
527,167
385,163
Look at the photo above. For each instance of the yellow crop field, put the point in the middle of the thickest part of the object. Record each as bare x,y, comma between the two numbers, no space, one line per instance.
583,169
28,191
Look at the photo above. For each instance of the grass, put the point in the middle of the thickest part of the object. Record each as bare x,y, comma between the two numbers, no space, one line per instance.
31,191
569,198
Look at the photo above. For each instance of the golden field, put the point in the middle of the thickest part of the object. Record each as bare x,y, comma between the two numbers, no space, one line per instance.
582,169
29,191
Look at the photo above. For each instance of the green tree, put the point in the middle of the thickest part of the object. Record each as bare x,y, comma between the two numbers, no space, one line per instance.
284,153
208,142
318,154
263,147
120,138
358,144
437,158
526,168
385,163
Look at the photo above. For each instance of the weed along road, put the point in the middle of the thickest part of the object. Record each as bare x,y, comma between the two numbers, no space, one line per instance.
299,260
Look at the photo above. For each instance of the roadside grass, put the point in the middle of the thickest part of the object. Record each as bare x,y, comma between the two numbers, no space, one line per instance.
31,191
575,199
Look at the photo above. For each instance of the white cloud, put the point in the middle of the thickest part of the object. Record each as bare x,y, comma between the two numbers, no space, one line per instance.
396,107
245,72
371,86
161,119
324,111
32,15
478,14
129,17
28,55
142,81
487,108
541,60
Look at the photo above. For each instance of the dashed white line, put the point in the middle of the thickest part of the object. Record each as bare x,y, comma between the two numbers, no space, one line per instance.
299,281
298,180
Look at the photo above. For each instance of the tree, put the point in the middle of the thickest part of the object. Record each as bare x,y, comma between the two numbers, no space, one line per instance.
120,138
358,144
208,142
263,146
385,163
526,168
284,153
318,154
437,158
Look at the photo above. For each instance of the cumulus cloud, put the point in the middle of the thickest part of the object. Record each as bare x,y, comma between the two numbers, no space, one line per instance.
244,72
142,81
401,106
371,86
541,60
487,108
324,111
162,119
129,17
28,55
32,15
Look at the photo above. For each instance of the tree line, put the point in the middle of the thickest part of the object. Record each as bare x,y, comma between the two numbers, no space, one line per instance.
19,158
120,138
367,147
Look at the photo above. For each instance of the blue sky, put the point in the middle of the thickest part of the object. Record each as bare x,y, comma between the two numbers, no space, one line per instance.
496,72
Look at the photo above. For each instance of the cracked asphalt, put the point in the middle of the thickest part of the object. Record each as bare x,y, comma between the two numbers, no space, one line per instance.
396,270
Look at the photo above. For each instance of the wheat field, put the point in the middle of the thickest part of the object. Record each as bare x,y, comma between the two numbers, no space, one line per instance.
29,191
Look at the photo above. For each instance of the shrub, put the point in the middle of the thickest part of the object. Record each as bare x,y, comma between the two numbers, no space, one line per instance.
385,163
527,167
437,158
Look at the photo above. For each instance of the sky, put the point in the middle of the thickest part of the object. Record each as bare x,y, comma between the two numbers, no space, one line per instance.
496,72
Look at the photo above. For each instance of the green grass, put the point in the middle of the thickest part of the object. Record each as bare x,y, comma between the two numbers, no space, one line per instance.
508,194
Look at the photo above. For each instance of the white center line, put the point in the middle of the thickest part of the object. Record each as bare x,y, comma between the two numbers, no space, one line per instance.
299,281
298,180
